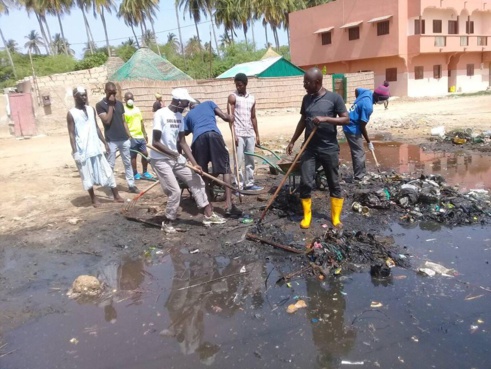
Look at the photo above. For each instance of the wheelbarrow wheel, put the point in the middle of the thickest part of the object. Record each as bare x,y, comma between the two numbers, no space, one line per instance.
321,181
273,171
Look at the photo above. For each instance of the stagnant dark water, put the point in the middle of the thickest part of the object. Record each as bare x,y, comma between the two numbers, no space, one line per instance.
180,314
241,321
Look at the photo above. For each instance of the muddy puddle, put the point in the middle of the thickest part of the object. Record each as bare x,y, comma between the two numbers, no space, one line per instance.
467,170
183,310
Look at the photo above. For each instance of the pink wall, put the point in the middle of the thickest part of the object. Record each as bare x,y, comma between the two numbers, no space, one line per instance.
306,48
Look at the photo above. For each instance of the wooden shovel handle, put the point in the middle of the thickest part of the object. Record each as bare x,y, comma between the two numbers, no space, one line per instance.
285,177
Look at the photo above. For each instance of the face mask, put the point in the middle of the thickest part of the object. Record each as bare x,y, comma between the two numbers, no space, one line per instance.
129,102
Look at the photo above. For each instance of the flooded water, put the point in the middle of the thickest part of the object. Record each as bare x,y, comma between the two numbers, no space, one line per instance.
185,310
467,170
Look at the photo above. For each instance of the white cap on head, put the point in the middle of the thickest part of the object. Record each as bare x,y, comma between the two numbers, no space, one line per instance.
79,90
182,94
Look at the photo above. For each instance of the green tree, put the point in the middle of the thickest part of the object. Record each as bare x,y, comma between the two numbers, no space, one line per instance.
58,8
226,14
173,42
193,47
35,6
4,10
12,46
34,41
59,44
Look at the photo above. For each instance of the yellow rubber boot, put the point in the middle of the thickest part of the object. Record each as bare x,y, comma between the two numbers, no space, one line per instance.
307,213
336,209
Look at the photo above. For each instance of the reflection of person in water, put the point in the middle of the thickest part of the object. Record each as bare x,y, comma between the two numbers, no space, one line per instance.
186,307
326,313
125,277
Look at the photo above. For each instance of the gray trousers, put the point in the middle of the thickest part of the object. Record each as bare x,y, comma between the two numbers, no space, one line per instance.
124,149
246,144
330,163
167,170
358,156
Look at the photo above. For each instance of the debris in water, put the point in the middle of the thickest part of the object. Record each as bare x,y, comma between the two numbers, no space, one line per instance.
243,269
85,286
440,269
346,362
74,341
300,304
376,304
195,251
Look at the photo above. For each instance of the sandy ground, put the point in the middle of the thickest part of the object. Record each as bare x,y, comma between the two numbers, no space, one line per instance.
40,184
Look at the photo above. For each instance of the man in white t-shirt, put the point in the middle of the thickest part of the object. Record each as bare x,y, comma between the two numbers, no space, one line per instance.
167,123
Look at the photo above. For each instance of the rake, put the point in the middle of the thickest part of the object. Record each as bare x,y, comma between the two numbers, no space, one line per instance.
129,206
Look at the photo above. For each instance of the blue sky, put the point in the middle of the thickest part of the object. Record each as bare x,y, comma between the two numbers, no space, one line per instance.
17,24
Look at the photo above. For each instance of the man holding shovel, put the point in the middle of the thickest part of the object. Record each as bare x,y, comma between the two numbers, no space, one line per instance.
325,110
169,163
356,130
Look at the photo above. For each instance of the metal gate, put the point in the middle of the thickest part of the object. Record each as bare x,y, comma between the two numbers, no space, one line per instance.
22,113
339,85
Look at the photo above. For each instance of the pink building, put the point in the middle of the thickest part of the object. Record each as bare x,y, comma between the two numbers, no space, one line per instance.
422,47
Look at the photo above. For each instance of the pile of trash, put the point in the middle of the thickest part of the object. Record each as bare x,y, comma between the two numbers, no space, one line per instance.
462,136
425,198
339,250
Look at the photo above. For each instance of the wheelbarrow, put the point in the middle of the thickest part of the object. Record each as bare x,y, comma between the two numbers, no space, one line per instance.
273,168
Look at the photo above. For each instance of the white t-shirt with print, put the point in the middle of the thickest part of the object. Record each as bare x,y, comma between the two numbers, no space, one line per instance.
170,124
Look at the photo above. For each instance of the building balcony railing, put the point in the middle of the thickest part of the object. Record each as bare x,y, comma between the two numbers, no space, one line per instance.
446,43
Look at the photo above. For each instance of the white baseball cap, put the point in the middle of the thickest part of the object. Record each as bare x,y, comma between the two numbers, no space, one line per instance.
182,94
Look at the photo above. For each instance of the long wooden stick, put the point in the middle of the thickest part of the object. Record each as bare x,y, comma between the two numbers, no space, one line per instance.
253,237
207,175
287,174
236,161
376,161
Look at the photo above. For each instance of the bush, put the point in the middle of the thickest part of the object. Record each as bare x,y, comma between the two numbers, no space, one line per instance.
91,61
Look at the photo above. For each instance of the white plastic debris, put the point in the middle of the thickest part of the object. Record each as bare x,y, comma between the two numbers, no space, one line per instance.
243,269
346,362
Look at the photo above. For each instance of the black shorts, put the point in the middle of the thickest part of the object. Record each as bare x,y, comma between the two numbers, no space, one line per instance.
210,147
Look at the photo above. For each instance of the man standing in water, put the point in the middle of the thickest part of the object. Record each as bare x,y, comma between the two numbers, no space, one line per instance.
85,139
111,112
326,110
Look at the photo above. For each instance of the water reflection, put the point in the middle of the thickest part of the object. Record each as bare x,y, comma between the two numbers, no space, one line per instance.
468,170
325,310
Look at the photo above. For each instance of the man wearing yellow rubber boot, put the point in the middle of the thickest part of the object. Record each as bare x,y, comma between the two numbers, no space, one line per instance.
326,110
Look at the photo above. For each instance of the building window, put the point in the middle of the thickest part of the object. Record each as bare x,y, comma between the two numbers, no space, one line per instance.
419,27
437,71
326,38
354,33
470,70
391,74
453,27
419,72
482,41
469,27
382,28
464,41
437,26
440,41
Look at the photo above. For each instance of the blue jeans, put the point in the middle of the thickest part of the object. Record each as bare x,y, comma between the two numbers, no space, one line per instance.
124,149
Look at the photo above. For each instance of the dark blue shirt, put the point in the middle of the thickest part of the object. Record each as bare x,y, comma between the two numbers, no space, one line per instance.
201,119
360,112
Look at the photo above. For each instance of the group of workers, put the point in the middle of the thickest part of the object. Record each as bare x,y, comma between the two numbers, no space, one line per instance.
124,131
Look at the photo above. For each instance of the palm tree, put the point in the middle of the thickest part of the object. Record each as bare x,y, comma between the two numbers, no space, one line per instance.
39,11
148,38
98,8
225,39
193,46
193,7
89,48
33,42
84,5
273,14
176,5
59,44
128,42
58,8
173,42
226,14
245,15
11,45
4,10
126,13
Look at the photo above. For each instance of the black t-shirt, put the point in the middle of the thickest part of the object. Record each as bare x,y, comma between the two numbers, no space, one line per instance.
114,131
328,105
156,106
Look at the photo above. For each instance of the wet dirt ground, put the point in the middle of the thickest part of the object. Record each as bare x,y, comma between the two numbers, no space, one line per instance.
167,305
